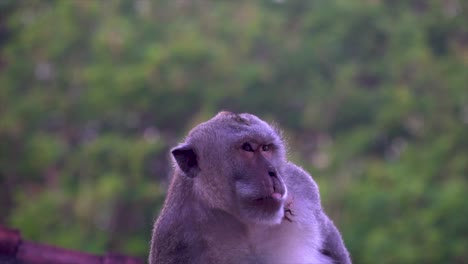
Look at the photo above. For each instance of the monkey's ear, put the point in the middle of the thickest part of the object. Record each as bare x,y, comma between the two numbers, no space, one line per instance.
186,158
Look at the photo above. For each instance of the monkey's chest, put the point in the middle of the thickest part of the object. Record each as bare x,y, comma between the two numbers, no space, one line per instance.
289,243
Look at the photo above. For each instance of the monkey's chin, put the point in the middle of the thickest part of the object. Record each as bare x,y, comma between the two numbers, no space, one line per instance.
265,210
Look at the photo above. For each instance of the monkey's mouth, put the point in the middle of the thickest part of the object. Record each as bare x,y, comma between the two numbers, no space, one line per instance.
269,203
274,196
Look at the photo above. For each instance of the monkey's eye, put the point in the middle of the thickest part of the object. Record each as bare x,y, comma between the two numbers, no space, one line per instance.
247,147
266,147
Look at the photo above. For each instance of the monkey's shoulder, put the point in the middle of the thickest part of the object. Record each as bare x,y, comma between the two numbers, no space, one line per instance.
301,184
175,243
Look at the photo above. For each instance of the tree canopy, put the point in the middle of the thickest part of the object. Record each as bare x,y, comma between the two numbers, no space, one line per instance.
372,96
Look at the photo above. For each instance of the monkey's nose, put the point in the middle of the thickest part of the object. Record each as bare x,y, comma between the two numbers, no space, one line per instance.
272,172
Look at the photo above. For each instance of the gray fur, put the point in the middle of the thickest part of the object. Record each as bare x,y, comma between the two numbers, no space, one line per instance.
219,207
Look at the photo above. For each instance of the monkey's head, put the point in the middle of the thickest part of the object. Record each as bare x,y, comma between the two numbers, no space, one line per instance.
235,163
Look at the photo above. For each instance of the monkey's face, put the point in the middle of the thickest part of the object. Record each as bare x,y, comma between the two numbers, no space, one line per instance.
259,188
236,163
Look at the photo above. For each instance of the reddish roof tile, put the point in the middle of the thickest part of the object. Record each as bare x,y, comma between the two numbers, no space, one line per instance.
14,250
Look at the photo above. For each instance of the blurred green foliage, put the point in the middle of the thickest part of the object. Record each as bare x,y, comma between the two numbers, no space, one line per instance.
372,95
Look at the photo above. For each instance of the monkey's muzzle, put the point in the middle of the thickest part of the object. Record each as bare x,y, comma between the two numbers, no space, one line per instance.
270,203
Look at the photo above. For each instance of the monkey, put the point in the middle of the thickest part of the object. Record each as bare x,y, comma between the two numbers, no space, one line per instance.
235,198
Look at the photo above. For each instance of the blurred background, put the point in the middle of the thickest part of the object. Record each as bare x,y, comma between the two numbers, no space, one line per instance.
372,96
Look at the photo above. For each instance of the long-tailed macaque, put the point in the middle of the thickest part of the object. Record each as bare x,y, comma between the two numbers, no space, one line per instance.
235,198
